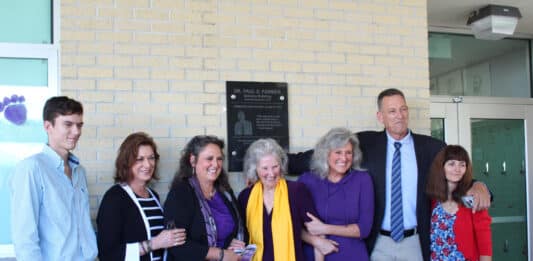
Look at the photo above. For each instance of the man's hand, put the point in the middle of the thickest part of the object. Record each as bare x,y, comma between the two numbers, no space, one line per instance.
481,196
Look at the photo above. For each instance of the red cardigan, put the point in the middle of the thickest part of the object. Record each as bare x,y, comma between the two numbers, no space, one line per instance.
472,232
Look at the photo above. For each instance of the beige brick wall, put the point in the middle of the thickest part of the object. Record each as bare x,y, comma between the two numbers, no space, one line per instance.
160,66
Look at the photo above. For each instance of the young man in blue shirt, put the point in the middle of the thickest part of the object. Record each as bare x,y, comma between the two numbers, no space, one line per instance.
50,201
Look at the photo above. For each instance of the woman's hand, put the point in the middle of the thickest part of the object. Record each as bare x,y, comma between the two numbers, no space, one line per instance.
169,238
318,256
236,244
326,246
229,255
316,227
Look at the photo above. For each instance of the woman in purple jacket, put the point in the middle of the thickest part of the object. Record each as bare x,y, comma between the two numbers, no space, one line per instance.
343,194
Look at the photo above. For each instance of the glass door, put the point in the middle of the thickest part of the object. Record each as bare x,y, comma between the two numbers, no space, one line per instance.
495,134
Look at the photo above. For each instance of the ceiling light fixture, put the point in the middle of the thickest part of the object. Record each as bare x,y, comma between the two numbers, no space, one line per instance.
494,22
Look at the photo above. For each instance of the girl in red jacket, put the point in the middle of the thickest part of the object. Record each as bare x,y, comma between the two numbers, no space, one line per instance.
457,233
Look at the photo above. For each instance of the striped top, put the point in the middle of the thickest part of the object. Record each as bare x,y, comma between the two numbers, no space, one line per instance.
154,214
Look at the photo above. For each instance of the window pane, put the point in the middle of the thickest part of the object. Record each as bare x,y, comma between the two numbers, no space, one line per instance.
462,65
26,21
437,128
23,72
498,159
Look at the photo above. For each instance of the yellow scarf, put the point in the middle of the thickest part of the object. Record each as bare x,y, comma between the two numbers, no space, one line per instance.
282,237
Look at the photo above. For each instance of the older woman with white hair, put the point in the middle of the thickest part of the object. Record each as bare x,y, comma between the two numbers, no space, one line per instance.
343,195
274,209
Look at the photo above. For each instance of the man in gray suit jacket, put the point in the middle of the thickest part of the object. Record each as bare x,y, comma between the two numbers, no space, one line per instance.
417,153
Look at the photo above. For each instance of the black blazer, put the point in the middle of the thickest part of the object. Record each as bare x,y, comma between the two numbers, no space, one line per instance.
374,147
183,208
119,222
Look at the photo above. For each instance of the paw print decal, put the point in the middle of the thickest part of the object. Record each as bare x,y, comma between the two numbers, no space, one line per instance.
14,109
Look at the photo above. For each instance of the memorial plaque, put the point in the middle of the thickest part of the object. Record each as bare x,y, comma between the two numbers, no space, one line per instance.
255,110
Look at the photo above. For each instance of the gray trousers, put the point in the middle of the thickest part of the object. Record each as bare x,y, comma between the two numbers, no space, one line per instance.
387,249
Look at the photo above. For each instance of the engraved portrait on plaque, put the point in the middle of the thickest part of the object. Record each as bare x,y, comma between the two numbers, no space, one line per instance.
255,110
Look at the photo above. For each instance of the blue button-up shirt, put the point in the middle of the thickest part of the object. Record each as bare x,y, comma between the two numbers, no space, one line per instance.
409,181
50,215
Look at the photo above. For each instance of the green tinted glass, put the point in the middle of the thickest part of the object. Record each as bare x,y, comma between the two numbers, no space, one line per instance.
23,72
26,21
460,65
437,128
498,159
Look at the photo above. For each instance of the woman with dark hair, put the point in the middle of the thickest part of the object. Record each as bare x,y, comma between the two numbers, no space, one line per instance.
202,201
130,218
343,194
456,232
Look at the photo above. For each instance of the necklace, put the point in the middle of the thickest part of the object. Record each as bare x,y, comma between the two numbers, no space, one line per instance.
208,190
209,195
140,191
450,206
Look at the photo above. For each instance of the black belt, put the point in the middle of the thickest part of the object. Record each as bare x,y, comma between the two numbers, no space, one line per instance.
406,233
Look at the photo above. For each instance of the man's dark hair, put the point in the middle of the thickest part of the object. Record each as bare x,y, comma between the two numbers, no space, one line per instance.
60,105
388,93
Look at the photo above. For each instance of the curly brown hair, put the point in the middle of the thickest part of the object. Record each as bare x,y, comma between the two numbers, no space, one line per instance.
127,155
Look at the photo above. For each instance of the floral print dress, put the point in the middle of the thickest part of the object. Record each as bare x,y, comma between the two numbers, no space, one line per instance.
443,245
